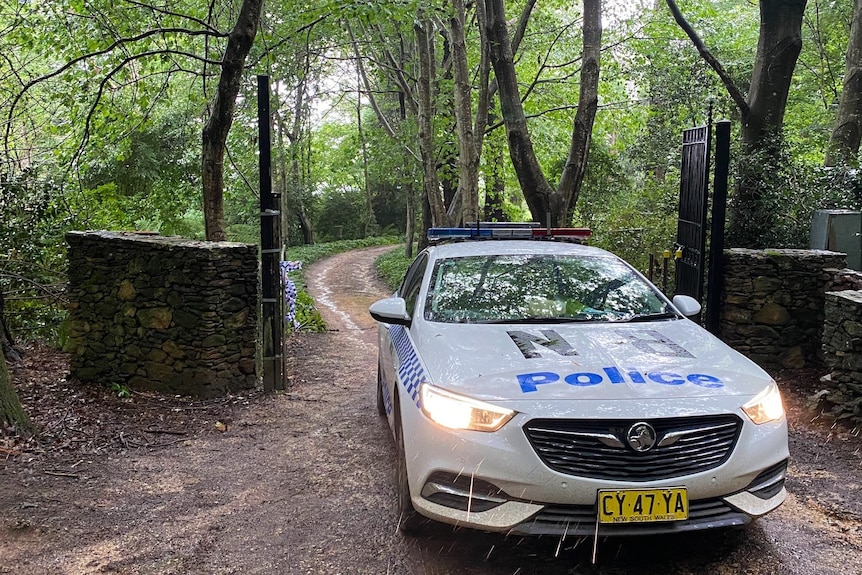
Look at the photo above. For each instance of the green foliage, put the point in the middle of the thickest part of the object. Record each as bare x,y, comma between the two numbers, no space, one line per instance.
787,192
391,267
32,266
813,102
341,215
310,254
635,225
307,316
122,391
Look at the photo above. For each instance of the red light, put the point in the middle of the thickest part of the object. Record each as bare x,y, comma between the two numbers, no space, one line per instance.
582,233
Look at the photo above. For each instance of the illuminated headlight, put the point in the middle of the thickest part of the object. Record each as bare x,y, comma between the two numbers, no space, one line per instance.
458,412
766,406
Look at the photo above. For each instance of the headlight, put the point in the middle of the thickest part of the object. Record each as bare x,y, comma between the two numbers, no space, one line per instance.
458,412
766,406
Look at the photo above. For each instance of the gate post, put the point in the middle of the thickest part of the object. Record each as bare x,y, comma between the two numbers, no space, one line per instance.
719,212
270,251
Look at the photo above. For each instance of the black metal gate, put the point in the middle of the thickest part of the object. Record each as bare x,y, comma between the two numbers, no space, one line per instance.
693,199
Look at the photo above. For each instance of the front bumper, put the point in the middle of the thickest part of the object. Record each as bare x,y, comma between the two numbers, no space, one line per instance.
475,503
496,482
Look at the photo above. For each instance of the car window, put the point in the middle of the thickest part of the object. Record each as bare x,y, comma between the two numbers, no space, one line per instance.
536,287
413,282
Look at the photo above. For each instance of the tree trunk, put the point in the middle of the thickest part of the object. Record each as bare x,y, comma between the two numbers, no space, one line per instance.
410,231
751,216
494,190
534,185
12,415
431,186
305,224
422,242
7,342
281,178
369,221
541,198
218,125
778,48
588,104
467,197
846,137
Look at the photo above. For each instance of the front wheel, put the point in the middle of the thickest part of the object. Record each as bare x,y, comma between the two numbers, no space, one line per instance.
410,522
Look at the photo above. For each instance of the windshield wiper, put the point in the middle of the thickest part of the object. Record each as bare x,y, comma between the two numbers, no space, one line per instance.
662,316
541,319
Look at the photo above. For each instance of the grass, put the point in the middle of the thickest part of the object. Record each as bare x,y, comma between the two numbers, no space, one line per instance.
310,254
391,267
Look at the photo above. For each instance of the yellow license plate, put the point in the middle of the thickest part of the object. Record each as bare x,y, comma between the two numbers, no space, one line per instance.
643,505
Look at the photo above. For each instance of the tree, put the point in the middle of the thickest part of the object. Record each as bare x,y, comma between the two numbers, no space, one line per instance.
12,415
221,116
541,197
133,46
424,29
762,110
846,137
469,142
396,101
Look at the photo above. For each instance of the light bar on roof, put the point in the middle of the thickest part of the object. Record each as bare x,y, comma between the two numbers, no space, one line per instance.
527,225
519,230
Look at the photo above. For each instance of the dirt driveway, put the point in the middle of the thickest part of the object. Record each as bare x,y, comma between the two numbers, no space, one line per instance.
300,483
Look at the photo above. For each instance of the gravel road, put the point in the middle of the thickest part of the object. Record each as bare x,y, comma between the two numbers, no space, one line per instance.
301,483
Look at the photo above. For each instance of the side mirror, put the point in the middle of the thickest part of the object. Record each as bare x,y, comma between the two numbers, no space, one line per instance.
390,310
687,305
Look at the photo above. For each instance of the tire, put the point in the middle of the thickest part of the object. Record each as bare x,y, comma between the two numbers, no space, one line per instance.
381,406
410,522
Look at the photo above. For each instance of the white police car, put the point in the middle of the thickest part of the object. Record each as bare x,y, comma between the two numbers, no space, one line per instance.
546,387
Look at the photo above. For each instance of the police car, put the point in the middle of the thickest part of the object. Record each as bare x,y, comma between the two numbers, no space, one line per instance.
547,388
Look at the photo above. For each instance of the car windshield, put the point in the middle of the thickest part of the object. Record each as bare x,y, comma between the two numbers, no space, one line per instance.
540,289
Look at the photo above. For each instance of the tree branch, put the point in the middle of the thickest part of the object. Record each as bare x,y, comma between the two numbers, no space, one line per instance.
399,77
166,12
381,117
710,59
116,44
543,64
104,82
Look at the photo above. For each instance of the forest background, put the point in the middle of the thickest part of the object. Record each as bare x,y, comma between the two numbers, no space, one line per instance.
392,116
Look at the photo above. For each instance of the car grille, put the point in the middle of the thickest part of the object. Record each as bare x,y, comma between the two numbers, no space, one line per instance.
598,448
581,520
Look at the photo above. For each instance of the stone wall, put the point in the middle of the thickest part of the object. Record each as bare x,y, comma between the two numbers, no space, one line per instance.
773,303
845,279
162,313
842,350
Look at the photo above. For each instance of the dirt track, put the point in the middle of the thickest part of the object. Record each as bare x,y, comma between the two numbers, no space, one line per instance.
301,483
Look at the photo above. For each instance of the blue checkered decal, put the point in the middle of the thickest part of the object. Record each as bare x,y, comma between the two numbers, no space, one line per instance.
410,372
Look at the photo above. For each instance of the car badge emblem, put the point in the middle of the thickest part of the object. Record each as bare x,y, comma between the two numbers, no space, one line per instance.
641,436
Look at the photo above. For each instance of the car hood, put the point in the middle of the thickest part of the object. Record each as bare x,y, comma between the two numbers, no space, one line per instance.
655,360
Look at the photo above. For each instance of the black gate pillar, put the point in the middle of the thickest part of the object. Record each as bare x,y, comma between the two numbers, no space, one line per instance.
270,251
719,214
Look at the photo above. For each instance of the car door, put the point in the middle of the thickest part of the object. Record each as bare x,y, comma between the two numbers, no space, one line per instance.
409,290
